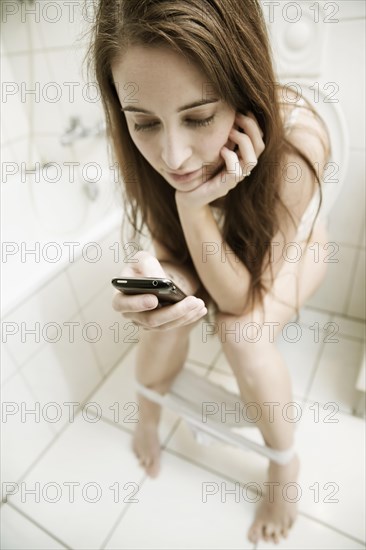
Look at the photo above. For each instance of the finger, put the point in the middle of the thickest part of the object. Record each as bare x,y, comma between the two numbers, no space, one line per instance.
251,128
236,170
144,263
169,316
246,149
134,303
190,319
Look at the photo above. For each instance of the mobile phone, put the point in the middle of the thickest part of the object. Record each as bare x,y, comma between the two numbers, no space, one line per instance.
165,290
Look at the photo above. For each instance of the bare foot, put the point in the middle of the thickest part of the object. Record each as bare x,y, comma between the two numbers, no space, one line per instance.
276,514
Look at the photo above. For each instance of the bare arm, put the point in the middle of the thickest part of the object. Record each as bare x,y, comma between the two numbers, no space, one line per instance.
225,277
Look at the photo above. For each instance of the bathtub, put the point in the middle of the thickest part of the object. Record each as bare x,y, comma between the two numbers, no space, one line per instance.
53,215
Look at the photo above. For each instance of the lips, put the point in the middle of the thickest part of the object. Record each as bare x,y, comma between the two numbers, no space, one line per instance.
187,176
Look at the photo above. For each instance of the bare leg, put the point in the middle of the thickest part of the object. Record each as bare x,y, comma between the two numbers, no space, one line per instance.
262,377
160,357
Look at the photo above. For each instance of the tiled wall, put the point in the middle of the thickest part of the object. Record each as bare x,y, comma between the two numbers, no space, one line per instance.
323,44
39,51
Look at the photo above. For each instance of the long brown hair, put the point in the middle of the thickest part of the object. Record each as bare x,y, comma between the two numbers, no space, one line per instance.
228,40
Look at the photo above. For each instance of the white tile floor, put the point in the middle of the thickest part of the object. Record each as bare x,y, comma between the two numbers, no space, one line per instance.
114,505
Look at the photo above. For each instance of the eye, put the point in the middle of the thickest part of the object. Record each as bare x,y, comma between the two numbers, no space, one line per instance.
190,122
200,121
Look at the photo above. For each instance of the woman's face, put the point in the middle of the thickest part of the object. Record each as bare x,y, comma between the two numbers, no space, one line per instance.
158,89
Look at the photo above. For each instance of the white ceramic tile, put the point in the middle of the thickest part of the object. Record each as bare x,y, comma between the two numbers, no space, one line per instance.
332,294
204,345
116,333
346,41
349,327
8,366
174,514
307,533
333,453
79,96
24,435
16,33
118,402
357,304
337,371
349,9
90,278
310,317
346,218
14,78
22,153
63,372
18,533
52,304
87,452
60,24
47,111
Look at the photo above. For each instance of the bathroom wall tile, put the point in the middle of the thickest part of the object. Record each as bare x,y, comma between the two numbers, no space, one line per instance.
61,24
116,333
15,31
309,533
217,522
357,304
65,371
311,317
47,111
54,303
346,218
89,278
14,75
19,533
346,42
332,474
332,294
79,96
349,327
97,458
8,366
349,9
336,374
24,435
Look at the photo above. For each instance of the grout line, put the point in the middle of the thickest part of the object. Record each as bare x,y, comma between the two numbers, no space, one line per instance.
348,296
31,520
58,434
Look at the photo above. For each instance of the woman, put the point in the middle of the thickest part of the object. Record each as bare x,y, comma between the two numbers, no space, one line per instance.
213,152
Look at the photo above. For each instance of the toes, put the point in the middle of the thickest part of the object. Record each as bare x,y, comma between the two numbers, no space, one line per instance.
153,469
255,532
269,532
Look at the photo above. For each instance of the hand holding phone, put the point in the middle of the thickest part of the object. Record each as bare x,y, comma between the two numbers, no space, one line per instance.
143,298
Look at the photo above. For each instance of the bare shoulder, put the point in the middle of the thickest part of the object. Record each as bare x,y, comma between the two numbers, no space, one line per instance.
304,127
308,135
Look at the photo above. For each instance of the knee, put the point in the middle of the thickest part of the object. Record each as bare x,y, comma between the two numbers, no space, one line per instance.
243,340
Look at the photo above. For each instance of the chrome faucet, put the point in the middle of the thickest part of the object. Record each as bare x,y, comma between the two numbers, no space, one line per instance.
76,131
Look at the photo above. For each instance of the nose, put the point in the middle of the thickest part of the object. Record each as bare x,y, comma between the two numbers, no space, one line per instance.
175,150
